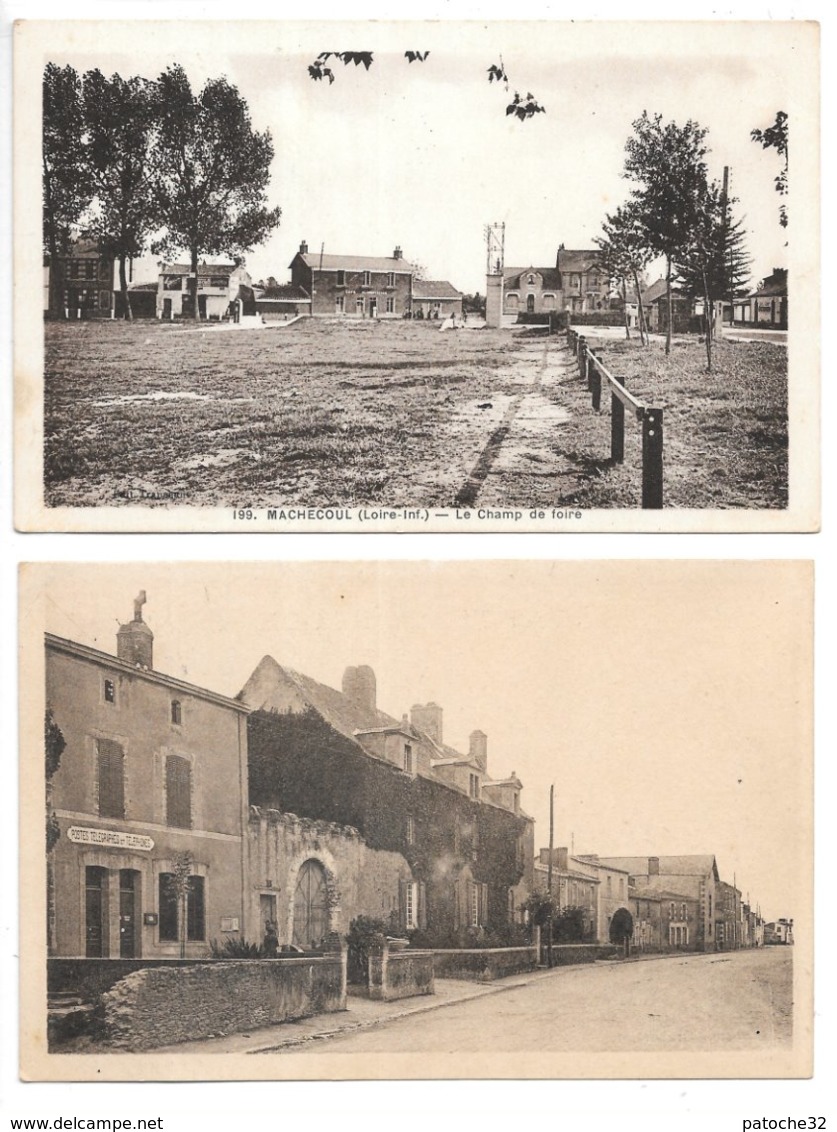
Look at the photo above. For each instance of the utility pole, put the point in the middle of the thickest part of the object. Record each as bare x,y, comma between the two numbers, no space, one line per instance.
549,876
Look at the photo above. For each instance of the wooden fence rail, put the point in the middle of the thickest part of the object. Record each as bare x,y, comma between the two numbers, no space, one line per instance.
594,372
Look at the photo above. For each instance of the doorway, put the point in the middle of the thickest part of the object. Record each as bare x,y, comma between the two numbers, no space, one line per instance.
96,912
311,918
373,307
128,903
530,304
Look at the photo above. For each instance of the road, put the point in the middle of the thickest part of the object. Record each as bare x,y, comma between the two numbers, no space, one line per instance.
736,1001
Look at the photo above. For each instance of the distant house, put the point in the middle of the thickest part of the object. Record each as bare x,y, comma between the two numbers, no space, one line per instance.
354,286
577,283
655,308
219,284
768,305
280,300
88,277
435,298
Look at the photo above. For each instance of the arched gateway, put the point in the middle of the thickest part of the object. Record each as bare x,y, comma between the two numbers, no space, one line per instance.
311,923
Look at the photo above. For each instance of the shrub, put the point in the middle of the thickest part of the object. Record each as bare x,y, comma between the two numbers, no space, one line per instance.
235,948
366,936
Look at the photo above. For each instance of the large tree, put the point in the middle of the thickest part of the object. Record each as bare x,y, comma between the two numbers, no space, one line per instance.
624,255
667,164
213,170
66,183
119,119
776,137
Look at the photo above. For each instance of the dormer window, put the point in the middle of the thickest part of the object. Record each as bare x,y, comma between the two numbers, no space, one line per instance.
474,785
531,281
408,758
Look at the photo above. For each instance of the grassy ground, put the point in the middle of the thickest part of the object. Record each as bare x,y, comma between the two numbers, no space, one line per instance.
393,414
726,433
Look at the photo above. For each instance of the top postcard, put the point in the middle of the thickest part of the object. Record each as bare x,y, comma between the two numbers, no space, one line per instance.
464,277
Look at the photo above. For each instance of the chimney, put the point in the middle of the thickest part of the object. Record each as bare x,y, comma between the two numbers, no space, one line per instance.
135,641
397,254
359,685
653,866
303,248
428,718
478,750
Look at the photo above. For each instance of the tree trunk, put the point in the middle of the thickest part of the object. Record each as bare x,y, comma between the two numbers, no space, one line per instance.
643,326
123,287
669,305
183,923
625,308
193,281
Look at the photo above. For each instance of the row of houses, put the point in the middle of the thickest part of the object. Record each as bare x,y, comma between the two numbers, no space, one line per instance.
305,807
335,286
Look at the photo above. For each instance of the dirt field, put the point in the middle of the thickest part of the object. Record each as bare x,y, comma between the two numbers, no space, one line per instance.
399,414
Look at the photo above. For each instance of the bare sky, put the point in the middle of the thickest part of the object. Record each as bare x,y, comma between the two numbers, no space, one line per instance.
423,155
668,702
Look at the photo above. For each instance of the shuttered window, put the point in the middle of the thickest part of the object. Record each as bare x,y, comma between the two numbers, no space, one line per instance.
168,907
170,913
111,771
413,900
195,910
178,792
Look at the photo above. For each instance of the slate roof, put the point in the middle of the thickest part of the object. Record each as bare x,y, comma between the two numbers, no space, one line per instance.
355,263
282,293
660,894
551,276
203,268
582,260
435,289
697,864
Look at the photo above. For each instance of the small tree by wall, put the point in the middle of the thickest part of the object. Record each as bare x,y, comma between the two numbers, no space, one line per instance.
177,883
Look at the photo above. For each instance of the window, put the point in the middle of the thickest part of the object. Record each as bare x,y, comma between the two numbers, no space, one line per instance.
457,834
682,911
474,785
531,281
477,904
367,279
219,282
109,691
410,904
341,278
176,712
408,758
178,792
111,774
413,905
170,913
411,829
391,279
390,304
519,852
609,879
671,911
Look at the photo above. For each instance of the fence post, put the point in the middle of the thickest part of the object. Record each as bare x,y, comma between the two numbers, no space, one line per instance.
617,426
594,382
652,458
581,348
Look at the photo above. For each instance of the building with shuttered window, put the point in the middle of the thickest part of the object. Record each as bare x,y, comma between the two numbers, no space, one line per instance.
151,784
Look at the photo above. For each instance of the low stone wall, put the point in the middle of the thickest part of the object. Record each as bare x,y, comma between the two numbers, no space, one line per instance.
567,953
400,974
484,964
155,1006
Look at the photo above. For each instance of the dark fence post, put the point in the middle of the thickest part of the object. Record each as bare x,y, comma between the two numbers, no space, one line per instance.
652,458
582,356
594,383
617,427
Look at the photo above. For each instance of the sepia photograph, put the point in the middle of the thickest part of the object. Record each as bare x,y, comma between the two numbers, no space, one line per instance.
371,820
496,277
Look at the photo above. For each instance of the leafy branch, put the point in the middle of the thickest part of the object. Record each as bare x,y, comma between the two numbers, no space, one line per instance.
521,106
319,69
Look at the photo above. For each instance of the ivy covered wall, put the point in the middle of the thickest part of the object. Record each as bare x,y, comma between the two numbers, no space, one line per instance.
302,765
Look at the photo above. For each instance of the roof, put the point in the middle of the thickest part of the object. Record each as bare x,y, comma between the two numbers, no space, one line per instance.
274,687
282,293
550,275
354,263
779,287
697,864
660,894
435,289
203,268
96,656
579,260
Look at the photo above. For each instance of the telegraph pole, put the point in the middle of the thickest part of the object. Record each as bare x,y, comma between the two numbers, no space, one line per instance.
549,876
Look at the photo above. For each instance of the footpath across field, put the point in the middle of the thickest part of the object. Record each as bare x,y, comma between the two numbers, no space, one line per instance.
394,414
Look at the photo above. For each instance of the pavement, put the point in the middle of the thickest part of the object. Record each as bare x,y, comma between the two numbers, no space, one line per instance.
363,1013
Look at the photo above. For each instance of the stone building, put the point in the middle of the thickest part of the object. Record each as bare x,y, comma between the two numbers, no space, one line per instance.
694,876
575,884
149,782
354,286
87,277
576,284
219,284
444,846
664,920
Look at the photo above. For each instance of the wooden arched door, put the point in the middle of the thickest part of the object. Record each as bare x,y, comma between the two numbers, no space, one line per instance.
311,918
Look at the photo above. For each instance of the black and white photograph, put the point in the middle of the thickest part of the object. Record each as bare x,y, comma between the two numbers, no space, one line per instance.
499,277
397,820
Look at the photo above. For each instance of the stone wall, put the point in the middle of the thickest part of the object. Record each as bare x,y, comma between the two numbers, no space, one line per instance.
484,964
567,953
400,974
161,1006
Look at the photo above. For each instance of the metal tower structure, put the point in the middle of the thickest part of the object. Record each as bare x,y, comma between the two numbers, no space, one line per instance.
495,248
